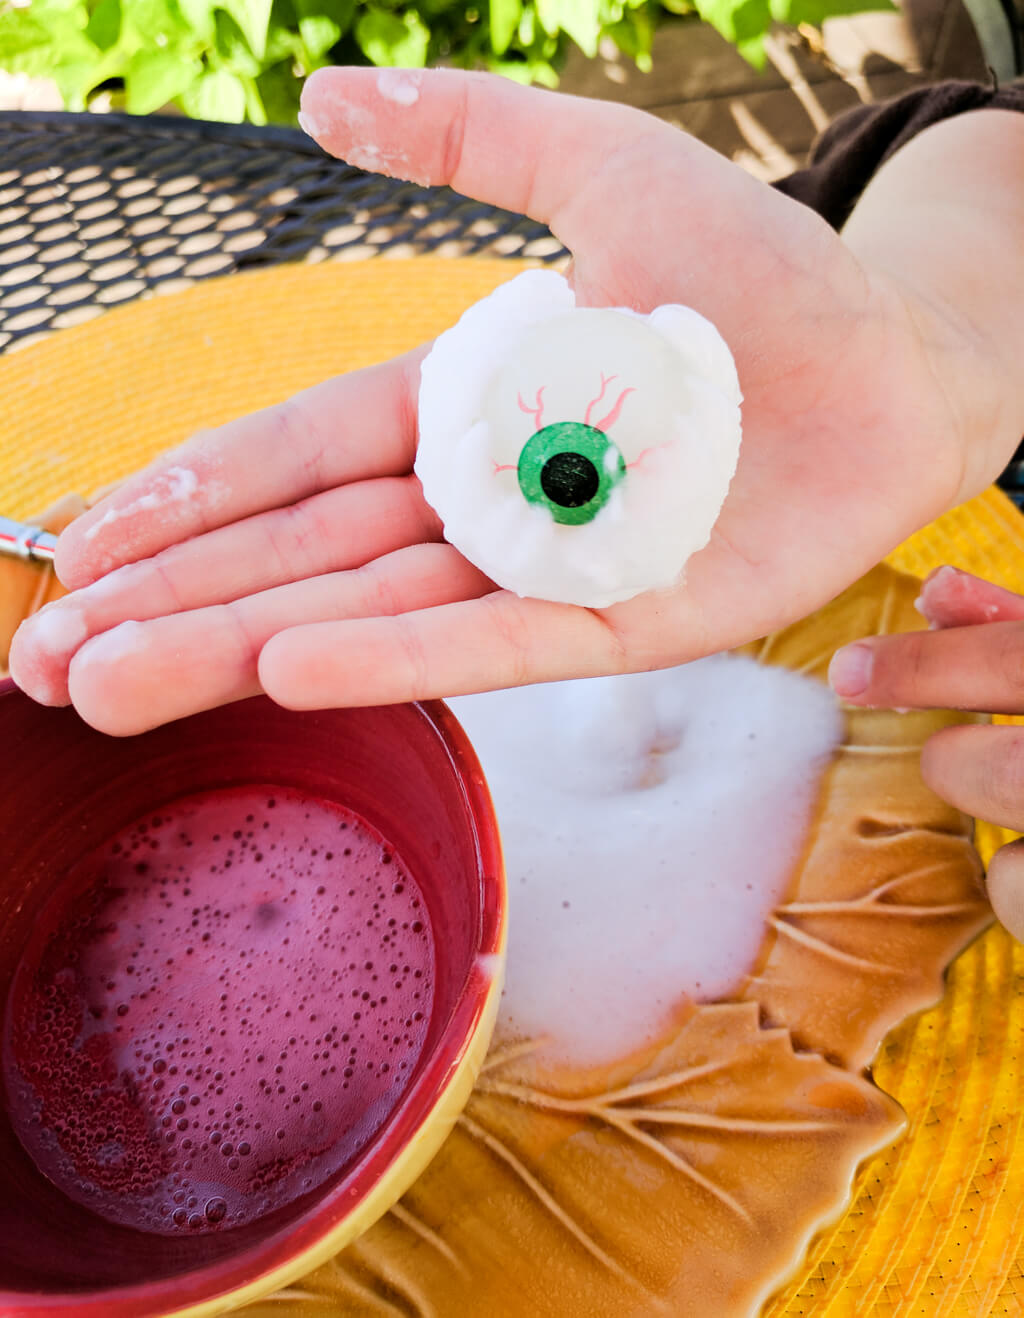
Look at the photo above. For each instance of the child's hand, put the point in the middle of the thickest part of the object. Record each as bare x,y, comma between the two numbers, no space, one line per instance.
972,659
292,550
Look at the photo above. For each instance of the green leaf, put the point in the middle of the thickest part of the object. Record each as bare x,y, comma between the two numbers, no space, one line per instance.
634,36
155,77
527,71
80,68
392,41
753,51
283,40
104,27
20,35
198,14
231,49
815,12
253,17
279,91
35,40
155,22
254,107
219,95
505,16
739,23
72,81
576,17
319,33
322,22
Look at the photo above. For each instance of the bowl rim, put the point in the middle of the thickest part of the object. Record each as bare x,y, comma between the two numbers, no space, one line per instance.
282,1257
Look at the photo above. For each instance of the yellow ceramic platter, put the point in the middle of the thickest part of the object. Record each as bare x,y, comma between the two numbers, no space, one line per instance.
936,1221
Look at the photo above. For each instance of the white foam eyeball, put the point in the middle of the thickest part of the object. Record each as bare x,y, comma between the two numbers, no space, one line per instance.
573,453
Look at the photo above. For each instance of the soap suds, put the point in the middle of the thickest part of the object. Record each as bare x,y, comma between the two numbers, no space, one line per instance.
353,130
399,85
650,823
176,485
490,965
393,164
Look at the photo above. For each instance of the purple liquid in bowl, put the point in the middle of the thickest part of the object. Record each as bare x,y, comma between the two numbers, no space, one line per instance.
219,1009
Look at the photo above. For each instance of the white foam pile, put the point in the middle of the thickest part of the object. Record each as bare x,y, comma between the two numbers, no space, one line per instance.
650,822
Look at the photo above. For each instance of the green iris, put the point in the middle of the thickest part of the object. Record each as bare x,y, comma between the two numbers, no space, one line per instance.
570,469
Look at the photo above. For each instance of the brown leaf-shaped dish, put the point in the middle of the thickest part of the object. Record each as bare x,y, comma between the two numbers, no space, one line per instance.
632,1189
889,889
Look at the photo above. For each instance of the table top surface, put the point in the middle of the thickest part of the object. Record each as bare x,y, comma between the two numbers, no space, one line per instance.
98,209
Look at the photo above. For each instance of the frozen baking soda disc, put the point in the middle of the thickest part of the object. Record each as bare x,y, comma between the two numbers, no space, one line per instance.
577,454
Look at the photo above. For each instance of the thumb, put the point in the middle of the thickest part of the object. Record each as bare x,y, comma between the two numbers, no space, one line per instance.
515,147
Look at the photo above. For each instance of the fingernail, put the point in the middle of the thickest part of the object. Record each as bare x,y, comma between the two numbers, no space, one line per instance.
850,670
945,570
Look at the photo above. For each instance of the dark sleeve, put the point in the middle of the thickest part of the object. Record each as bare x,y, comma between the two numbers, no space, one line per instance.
853,147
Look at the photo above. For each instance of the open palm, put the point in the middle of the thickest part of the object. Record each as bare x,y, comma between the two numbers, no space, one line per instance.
292,551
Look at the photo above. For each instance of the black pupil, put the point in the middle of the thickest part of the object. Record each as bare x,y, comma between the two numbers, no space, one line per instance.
569,479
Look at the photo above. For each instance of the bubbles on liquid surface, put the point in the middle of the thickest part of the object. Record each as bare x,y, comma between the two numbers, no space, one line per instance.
217,1012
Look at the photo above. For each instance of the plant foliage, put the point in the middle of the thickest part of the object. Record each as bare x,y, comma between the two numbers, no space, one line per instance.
244,59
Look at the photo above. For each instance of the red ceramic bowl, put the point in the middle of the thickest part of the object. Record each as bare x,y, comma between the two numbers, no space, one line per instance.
66,790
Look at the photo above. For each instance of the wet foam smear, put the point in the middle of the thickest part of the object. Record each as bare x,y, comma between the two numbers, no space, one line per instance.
650,823
219,1009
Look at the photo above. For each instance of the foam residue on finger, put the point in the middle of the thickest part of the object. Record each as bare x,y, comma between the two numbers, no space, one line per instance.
175,485
351,131
400,85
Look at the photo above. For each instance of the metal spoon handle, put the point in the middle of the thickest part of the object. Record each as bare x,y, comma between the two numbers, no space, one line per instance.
29,543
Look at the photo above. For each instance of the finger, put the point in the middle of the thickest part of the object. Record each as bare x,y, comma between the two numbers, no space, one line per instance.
496,641
1005,884
953,598
980,770
141,674
979,668
335,531
444,126
350,428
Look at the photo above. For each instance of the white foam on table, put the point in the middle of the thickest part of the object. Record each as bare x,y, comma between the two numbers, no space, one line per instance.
650,822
